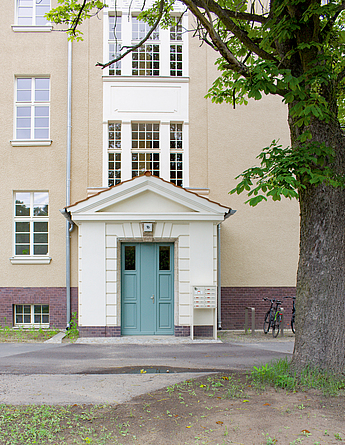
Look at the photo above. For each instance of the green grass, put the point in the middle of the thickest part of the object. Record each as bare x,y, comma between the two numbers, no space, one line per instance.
9,334
72,333
281,375
20,425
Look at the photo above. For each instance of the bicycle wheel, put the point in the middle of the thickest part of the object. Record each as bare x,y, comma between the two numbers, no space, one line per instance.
276,326
293,324
267,322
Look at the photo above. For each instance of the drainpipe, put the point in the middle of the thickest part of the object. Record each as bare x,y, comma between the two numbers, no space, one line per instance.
219,277
69,224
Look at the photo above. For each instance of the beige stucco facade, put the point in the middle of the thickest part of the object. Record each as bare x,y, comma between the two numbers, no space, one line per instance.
259,246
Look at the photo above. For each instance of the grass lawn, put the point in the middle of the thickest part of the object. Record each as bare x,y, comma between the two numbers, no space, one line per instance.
28,335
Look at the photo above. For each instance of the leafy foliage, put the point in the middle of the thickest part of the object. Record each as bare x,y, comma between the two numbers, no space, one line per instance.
290,48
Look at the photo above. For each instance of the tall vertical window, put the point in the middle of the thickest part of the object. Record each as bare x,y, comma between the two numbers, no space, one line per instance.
175,60
115,32
176,155
31,223
176,50
114,155
31,12
145,60
145,138
32,108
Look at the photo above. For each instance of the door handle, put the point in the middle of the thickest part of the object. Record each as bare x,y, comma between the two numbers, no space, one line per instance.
153,299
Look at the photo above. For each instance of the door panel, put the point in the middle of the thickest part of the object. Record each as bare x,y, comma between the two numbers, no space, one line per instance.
147,301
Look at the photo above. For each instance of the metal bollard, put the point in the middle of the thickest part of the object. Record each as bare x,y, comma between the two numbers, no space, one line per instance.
246,320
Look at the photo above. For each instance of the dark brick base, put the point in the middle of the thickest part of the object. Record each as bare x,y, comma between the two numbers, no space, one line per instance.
182,331
99,331
203,331
236,299
54,296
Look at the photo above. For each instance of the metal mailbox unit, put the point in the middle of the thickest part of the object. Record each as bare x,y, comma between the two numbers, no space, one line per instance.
204,307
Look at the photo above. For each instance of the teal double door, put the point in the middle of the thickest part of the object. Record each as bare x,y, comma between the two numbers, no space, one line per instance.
147,289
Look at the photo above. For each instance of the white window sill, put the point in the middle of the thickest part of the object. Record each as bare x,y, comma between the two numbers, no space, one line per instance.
37,259
34,28
31,326
30,142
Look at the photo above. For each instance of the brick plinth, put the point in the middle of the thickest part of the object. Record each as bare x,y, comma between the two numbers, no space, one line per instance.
182,331
236,299
203,331
55,297
99,331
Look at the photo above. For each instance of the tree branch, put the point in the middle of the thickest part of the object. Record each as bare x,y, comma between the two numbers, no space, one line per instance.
224,15
134,47
75,22
221,47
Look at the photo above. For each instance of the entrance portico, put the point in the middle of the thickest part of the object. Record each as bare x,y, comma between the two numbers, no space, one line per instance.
144,245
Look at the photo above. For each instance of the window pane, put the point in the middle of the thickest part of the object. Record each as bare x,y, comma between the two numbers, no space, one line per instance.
22,204
24,89
22,227
40,204
40,249
40,227
164,257
129,257
42,89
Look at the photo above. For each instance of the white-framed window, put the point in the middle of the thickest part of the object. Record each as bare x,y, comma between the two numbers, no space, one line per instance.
175,60
115,33
114,155
145,138
31,223
140,30
31,12
176,154
32,108
31,315
176,31
145,60
145,162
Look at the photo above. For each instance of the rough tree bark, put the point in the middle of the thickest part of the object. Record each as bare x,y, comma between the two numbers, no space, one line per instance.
320,302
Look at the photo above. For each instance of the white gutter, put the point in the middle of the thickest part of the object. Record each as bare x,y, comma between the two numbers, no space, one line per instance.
69,224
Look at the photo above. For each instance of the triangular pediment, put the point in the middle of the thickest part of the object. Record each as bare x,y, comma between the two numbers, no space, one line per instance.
146,197
147,202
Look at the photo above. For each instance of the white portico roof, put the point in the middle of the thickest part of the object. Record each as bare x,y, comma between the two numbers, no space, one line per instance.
146,198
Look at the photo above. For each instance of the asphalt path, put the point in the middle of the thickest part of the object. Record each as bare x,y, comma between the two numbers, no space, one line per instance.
97,373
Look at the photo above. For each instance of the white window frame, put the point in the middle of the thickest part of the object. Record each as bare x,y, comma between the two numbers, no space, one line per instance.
32,323
31,257
114,150
33,26
34,105
140,147
114,40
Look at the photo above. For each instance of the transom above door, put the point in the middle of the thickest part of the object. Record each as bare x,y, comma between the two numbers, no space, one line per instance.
147,290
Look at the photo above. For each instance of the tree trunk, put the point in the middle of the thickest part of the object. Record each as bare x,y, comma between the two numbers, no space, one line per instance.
320,302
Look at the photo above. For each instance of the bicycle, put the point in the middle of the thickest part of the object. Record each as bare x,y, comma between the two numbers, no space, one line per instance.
292,322
273,317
